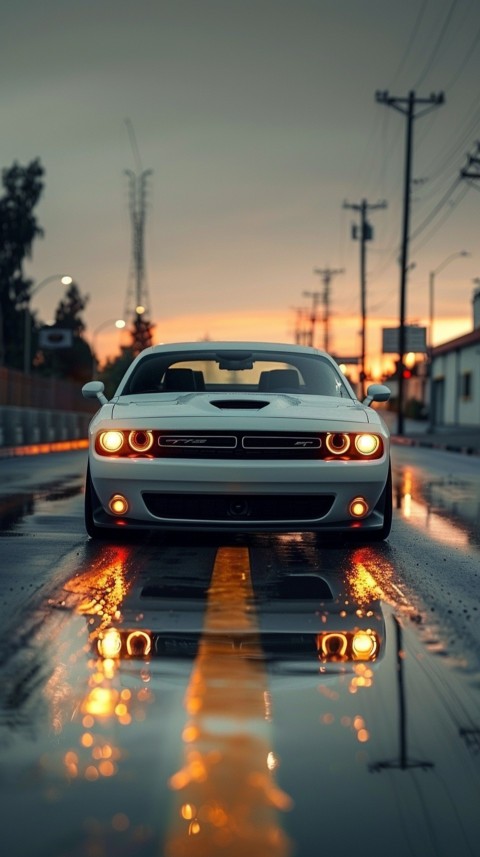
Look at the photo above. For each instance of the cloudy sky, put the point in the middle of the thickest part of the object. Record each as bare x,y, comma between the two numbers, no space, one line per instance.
258,120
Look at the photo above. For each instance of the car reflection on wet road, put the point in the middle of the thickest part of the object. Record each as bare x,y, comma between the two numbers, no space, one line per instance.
267,696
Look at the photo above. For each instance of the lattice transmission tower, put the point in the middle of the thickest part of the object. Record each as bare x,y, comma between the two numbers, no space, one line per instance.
137,306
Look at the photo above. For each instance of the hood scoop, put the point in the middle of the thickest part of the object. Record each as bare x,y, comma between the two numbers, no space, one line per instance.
239,404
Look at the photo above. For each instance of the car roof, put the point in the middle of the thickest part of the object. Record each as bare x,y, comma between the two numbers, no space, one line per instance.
209,345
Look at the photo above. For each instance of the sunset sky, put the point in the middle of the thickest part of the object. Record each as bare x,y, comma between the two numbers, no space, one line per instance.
258,120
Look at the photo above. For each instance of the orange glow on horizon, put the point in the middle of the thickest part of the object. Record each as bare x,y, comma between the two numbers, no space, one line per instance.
265,325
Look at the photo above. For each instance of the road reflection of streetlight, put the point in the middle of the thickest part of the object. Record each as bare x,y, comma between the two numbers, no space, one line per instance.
66,281
119,324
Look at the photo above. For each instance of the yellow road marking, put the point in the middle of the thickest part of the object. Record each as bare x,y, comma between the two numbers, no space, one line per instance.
226,795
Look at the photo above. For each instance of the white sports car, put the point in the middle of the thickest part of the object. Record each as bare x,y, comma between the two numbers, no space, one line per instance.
237,436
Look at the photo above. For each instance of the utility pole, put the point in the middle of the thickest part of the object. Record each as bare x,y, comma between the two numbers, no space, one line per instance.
472,161
326,275
407,106
403,762
302,335
364,234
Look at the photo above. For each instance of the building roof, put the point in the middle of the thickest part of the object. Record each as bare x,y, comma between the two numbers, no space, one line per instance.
464,341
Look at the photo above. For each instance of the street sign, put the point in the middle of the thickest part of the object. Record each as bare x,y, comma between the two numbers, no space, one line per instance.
415,339
55,337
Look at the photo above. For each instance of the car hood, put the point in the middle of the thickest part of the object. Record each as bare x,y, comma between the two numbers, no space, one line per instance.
237,406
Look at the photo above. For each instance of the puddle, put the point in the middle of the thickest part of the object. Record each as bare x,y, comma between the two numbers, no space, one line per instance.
15,508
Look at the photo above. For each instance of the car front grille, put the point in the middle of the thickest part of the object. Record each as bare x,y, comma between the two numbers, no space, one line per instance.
238,508
239,445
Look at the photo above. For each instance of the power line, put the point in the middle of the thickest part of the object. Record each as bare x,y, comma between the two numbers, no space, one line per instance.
464,63
435,210
415,28
439,41
448,213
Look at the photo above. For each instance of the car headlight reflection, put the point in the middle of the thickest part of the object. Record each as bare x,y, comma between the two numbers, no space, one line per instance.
359,645
139,643
364,645
109,646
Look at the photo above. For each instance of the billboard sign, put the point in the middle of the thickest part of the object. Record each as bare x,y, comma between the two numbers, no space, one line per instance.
55,337
415,339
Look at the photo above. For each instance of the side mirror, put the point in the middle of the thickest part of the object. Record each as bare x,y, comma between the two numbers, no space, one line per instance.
377,393
94,390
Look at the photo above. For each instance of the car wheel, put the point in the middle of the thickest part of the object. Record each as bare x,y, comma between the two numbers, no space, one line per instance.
385,505
90,499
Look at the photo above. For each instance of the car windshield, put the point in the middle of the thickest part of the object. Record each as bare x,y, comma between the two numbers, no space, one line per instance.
242,371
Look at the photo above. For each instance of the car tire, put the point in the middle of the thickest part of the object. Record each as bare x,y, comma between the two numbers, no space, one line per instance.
90,498
385,505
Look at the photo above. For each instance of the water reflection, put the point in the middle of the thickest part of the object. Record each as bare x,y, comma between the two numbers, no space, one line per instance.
14,508
227,797
439,507
191,716
228,640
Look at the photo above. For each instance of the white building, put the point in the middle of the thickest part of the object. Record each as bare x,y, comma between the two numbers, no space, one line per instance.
455,377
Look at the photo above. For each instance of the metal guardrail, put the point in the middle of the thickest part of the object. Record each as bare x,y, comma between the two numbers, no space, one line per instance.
32,391
35,410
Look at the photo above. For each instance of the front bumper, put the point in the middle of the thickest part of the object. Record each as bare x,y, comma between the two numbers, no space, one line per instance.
278,496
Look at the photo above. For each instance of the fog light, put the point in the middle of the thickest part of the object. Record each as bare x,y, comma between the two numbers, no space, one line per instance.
358,508
118,504
364,645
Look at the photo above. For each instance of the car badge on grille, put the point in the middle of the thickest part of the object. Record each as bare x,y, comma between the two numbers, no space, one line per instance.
280,442
210,441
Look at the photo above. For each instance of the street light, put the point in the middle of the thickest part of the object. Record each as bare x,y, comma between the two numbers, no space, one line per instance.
65,280
119,324
430,327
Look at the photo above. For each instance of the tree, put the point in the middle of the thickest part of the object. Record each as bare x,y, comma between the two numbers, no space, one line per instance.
142,334
18,229
74,363
114,369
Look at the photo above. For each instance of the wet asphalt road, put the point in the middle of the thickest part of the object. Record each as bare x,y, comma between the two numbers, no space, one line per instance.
263,695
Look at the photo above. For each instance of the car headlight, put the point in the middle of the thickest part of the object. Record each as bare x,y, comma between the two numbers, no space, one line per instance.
140,441
111,441
337,442
367,444
350,446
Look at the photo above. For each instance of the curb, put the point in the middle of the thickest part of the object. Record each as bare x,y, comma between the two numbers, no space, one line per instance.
444,447
43,448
